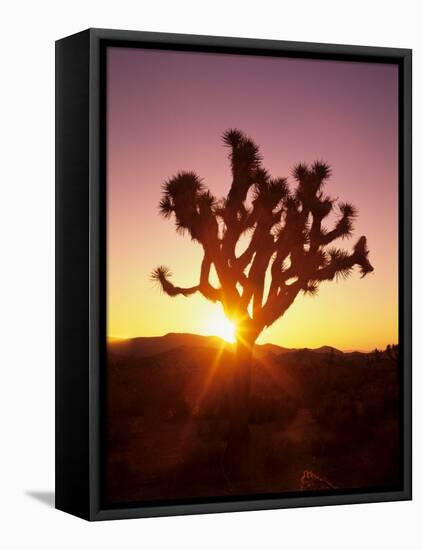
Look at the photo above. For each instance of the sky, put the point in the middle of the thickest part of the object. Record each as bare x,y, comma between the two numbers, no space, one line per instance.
166,112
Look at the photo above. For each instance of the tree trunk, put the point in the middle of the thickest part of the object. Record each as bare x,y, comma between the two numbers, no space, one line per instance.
237,453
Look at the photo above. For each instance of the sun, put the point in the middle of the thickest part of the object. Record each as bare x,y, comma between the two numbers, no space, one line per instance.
217,324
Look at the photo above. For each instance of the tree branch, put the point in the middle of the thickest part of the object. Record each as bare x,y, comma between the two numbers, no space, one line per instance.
276,306
341,263
343,227
162,275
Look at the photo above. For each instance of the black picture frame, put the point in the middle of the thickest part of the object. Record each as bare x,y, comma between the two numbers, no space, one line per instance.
80,265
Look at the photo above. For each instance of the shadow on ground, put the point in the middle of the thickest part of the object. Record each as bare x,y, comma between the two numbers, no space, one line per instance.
45,497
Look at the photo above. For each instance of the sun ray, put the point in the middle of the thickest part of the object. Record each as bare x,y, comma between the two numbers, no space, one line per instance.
208,381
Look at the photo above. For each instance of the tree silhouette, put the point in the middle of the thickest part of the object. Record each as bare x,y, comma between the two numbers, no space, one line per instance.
392,351
287,243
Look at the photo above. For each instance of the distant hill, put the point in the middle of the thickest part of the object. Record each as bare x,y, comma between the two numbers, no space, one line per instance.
271,348
154,345
328,349
149,346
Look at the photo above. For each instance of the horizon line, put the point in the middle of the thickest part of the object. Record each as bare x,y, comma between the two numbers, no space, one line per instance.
348,350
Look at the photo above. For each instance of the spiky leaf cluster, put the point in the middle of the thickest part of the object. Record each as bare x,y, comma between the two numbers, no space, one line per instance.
184,196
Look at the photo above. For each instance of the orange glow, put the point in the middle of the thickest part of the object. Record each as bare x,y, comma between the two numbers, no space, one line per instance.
217,324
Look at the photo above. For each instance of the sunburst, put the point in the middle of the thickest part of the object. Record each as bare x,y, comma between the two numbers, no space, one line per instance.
217,324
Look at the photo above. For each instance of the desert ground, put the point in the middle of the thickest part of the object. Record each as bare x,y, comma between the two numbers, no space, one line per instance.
320,420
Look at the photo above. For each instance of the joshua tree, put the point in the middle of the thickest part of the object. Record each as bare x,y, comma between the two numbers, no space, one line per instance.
285,236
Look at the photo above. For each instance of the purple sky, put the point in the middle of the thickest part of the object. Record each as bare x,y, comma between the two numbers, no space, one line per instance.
167,111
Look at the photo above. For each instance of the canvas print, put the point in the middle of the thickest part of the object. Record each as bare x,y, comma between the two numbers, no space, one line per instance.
252,277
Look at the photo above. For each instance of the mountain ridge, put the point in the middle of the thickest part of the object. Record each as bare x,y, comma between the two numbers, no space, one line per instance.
144,346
